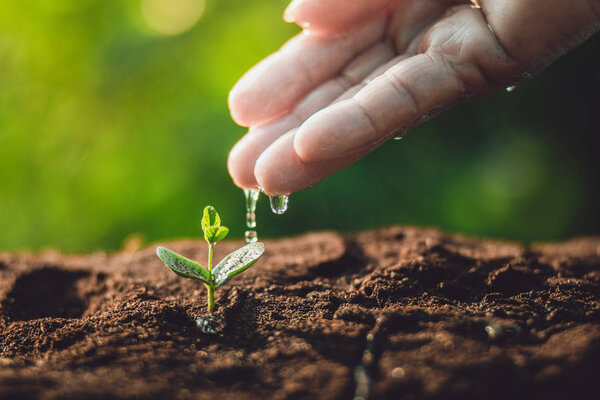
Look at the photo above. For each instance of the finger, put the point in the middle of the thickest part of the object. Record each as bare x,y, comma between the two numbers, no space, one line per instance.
351,76
390,102
244,154
273,86
362,66
342,133
279,170
246,151
410,18
377,72
327,16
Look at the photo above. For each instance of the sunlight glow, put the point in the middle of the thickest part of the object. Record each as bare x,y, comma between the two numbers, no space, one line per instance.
172,17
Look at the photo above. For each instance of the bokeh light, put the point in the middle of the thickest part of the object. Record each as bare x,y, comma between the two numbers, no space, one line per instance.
172,17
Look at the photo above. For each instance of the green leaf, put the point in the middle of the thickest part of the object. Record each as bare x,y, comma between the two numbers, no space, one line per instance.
183,266
237,262
221,233
210,234
210,218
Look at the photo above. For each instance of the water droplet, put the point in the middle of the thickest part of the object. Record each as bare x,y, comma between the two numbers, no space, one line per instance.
251,198
251,220
511,88
279,204
399,133
251,236
209,324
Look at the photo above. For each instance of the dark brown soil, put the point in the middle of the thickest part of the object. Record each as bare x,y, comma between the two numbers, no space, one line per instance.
398,313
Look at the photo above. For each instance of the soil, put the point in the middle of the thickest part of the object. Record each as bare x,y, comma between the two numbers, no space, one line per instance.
396,313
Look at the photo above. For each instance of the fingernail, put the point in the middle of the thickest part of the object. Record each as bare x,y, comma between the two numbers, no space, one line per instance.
288,14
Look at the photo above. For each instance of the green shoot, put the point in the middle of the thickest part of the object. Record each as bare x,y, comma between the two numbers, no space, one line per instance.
234,263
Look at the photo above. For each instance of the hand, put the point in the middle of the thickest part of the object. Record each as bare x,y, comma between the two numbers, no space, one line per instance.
364,71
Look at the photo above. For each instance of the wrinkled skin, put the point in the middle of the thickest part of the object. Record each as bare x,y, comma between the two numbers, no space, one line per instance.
363,71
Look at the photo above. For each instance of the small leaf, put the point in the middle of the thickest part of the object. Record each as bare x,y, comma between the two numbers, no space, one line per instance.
221,233
237,262
183,266
210,234
210,218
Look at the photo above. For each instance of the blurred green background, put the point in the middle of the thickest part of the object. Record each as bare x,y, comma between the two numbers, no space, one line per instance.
114,120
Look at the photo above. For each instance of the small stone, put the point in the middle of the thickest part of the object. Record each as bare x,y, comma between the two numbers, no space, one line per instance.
367,357
398,373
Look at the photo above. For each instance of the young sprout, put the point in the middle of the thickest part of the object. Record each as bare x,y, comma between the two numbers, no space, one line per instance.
231,265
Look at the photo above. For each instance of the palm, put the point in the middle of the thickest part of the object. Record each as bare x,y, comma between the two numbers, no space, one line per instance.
325,100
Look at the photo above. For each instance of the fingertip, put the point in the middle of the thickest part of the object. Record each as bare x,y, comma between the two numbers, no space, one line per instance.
240,164
332,16
304,143
247,150
289,14
274,169
280,171
270,88
237,104
255,98
314,138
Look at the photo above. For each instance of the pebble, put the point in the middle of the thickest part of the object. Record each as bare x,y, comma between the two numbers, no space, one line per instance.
398,373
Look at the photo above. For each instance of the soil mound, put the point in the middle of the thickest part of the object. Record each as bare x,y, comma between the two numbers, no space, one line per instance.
397,313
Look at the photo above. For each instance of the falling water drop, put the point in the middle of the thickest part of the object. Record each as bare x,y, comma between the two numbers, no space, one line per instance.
510,88
398,137
279,204
251,236
251,220
251,198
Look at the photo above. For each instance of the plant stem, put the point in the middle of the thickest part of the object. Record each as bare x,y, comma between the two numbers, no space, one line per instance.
210,288
211,298
210,256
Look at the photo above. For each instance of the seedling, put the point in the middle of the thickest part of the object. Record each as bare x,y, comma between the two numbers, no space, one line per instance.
231,265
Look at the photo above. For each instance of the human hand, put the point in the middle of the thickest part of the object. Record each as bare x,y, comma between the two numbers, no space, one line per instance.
370,69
